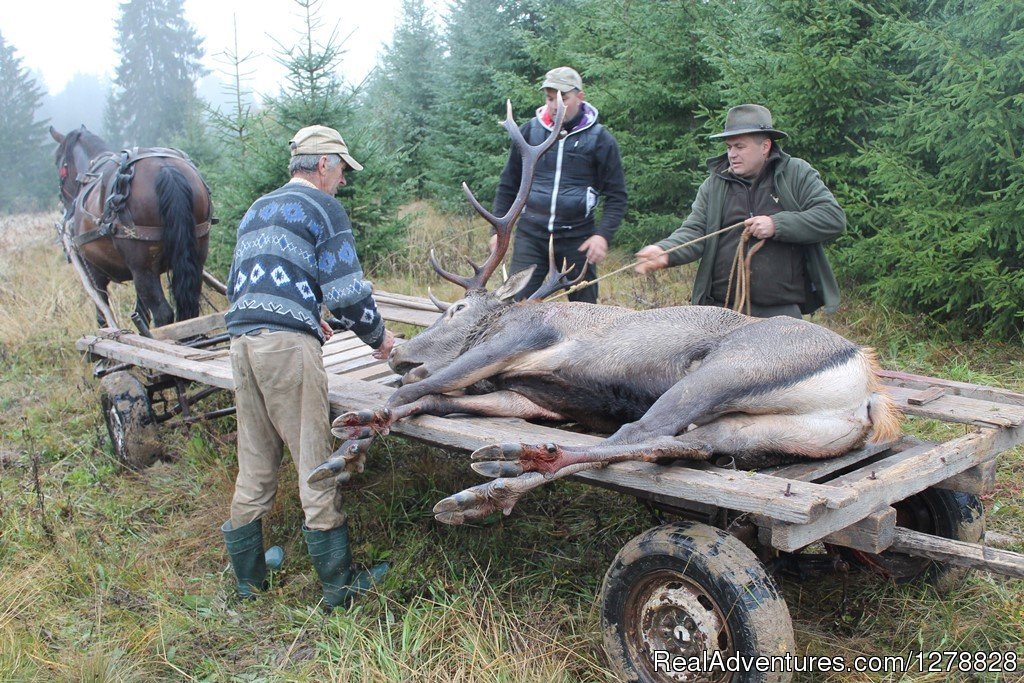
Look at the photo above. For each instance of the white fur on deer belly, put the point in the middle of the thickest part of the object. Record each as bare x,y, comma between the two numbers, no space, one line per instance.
841,387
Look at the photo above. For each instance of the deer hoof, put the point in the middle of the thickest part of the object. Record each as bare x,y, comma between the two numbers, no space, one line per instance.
473,503
505,451
355,433
322,477
497,468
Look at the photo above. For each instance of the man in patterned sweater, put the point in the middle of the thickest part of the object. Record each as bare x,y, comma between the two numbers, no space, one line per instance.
294,253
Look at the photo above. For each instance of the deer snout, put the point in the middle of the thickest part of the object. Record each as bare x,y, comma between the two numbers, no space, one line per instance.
411,371
415,375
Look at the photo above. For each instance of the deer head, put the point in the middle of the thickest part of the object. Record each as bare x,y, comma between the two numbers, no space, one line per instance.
465,320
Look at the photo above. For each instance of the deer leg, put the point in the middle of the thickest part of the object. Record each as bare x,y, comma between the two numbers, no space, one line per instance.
758,440
481,362
349,459
361,424
537,465
499,494
548,459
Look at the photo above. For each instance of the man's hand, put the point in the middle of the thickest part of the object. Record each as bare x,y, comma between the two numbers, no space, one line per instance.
596,248
384,351
326,329
761,227
655,257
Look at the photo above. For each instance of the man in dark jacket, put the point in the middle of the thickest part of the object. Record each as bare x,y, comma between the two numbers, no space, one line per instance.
568,181
294,254
780,199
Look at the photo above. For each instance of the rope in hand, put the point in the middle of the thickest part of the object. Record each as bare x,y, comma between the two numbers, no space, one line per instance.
745,261
740,271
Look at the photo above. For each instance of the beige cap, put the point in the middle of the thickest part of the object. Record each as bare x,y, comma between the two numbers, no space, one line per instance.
322,140
563,79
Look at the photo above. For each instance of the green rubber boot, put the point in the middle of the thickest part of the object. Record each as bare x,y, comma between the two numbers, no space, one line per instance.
332,559
245,547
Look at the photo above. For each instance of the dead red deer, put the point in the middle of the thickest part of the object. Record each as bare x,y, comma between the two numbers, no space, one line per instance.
681,382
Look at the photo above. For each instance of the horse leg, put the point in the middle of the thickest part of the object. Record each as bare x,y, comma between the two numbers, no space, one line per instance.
100,281
151,297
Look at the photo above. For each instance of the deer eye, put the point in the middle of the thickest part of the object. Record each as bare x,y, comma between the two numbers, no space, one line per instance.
457,307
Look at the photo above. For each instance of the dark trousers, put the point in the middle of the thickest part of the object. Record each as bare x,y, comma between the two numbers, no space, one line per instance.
529,250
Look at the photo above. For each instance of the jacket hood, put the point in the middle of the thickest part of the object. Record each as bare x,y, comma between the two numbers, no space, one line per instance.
588,119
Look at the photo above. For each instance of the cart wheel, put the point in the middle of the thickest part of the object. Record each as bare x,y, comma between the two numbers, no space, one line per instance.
686,589
949,514
130,423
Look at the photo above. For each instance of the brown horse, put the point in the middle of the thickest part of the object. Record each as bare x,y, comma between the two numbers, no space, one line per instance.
133,216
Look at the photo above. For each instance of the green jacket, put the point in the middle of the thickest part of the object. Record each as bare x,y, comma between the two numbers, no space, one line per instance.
811,216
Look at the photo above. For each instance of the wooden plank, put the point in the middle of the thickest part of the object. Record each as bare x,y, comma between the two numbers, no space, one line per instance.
976,391
817,470
208,373
344,348
138,341
958,553
408,298
927,396
402,314
952,408
371,372
905,477
204,324
872,534
979,480
346,365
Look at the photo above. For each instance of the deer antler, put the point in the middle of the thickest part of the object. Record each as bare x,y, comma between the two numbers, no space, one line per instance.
556,279
504,225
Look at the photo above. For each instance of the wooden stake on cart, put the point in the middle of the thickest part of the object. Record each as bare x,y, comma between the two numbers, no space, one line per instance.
76,261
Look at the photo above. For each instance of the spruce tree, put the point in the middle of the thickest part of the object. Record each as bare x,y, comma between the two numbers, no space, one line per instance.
312,94
27,176
154,87
404,90
486,62
944,185
645,68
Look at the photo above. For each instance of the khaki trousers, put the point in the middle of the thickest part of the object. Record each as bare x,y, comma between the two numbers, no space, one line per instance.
281,397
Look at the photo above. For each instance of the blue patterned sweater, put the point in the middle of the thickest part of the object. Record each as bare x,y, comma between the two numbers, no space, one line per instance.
294,252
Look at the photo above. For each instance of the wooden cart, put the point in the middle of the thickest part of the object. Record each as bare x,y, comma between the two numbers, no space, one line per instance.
909,509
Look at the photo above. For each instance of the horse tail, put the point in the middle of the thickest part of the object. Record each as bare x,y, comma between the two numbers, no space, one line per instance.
181,249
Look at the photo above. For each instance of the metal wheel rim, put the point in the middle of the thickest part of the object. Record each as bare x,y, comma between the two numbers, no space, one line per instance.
668,611
115,426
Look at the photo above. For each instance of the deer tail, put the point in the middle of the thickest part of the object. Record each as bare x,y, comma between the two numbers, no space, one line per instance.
886,417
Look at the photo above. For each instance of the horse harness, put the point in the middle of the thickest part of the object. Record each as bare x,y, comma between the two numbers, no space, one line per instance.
116,221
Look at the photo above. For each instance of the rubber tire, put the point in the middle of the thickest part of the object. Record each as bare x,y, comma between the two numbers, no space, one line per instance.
756,616
950,514
128,414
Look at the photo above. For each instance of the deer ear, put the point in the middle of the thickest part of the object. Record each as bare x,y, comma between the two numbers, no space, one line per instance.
515,284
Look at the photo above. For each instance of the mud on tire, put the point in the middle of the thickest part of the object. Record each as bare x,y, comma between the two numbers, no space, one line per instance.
688,588
128,414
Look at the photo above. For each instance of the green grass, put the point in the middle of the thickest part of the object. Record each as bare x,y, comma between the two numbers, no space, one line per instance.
108,575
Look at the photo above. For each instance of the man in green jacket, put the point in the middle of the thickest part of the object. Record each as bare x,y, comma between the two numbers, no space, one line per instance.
779,199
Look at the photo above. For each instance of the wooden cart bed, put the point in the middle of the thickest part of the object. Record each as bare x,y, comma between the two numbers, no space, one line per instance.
844,500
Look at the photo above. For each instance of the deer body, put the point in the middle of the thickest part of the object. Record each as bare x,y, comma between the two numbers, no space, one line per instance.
682,382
